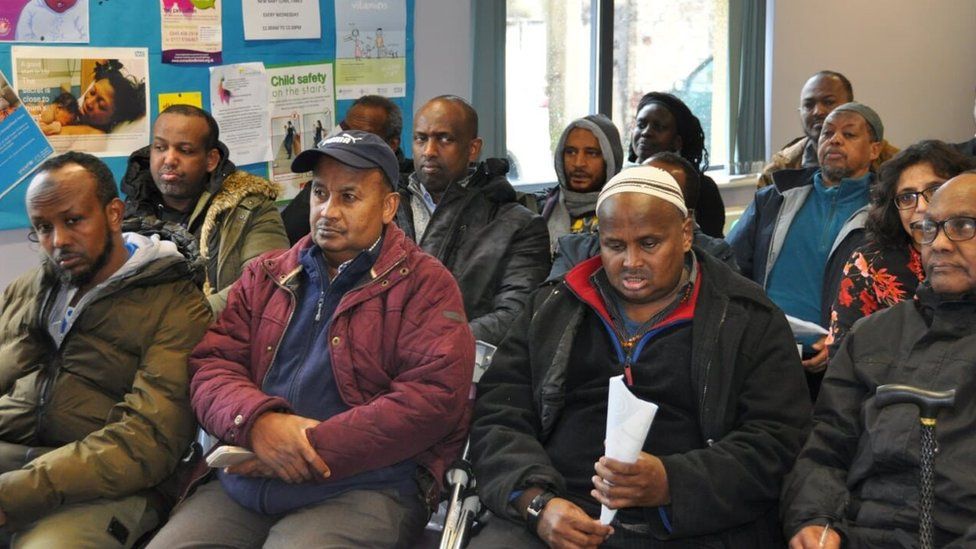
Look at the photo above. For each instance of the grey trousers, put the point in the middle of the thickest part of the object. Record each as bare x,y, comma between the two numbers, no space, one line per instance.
359,518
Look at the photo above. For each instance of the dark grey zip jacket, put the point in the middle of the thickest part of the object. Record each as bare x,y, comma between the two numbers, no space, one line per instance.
497,250
753,411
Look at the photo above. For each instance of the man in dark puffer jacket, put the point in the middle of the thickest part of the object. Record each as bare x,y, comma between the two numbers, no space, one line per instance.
469,219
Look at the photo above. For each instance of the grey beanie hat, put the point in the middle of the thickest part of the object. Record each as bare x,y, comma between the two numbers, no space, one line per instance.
867,113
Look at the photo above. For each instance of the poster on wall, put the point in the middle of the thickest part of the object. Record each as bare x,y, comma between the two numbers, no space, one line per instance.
93,100
47,21
371,37
239,103
281,19
302,113
22,148
191,31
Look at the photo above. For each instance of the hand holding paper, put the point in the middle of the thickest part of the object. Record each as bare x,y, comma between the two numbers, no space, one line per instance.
628,421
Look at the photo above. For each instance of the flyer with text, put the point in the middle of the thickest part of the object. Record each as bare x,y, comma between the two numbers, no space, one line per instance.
302,113
191,31
371,37
92,100
239,103
22,148
281,19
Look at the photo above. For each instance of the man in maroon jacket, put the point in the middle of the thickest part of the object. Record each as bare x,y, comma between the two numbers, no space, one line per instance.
344,364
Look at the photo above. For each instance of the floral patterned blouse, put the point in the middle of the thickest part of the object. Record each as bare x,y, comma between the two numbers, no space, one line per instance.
874,278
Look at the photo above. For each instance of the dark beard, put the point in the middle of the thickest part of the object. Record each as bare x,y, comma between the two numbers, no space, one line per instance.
83,278
834,175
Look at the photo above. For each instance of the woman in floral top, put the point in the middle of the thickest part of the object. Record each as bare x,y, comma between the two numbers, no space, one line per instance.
888,267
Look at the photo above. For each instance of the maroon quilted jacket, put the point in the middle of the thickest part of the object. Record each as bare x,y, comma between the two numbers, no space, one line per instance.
401,352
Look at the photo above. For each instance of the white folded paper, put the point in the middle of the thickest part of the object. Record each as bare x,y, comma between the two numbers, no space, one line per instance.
804,328
628,421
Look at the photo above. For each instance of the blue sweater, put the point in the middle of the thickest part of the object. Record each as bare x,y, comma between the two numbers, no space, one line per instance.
302,374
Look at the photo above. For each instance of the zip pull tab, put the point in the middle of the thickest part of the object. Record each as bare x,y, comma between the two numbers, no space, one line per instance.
318,308
628,347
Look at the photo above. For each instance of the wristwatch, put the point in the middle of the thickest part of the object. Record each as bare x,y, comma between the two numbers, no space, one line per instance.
534,510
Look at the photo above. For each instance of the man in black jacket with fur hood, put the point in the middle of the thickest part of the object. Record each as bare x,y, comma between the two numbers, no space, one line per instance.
469,219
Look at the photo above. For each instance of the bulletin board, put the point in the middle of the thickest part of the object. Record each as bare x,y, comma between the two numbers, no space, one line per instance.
136,23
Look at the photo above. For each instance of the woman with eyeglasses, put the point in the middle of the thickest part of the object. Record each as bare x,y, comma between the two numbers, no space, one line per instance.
888,267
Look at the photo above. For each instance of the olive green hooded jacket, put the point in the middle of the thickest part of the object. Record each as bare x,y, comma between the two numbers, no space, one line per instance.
108,411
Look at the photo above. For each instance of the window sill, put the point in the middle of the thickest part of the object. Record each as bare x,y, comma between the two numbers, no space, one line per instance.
726,181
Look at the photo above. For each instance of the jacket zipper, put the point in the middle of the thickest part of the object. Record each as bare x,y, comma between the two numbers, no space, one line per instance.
47,386
453,232
628,346
291,313
708,369
830,221
308,342
318,307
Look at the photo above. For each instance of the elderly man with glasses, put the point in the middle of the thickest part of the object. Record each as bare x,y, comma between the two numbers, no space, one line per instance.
857,476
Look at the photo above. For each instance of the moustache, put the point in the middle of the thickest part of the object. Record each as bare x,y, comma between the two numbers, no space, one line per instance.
61,254
325,226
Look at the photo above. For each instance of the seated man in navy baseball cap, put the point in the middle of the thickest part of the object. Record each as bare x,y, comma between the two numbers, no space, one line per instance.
344,364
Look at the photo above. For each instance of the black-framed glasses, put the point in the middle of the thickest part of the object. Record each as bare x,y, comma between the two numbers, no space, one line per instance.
908,200
956,229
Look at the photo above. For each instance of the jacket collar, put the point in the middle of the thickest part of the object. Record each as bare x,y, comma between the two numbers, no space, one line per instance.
580,280
785,180
284,266
948,315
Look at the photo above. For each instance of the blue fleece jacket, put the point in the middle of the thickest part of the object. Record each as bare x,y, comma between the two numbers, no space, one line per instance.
796,281
302,374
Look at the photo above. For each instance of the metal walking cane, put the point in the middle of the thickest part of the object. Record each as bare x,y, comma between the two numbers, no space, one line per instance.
464,507
929,404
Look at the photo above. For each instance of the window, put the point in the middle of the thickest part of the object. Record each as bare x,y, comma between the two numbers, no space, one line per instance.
678,46
547,80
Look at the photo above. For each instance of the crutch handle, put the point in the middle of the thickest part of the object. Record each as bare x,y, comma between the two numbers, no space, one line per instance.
928,402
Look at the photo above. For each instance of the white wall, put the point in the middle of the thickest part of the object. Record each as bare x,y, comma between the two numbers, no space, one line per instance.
913,62
442,50
16,256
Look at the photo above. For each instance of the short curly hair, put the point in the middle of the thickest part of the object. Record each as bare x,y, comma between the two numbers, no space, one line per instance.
105,187
883,226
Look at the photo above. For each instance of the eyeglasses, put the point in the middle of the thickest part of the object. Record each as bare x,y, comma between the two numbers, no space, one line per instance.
908,200
956,229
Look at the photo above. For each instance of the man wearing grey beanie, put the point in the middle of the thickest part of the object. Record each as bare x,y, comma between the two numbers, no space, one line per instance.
796,235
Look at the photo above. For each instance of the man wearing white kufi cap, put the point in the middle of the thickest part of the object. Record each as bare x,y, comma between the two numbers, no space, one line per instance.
686,333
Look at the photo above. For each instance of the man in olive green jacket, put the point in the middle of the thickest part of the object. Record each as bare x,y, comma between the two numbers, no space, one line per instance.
186,177
94,416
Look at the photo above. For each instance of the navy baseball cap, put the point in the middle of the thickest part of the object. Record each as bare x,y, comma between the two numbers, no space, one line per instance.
353,148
